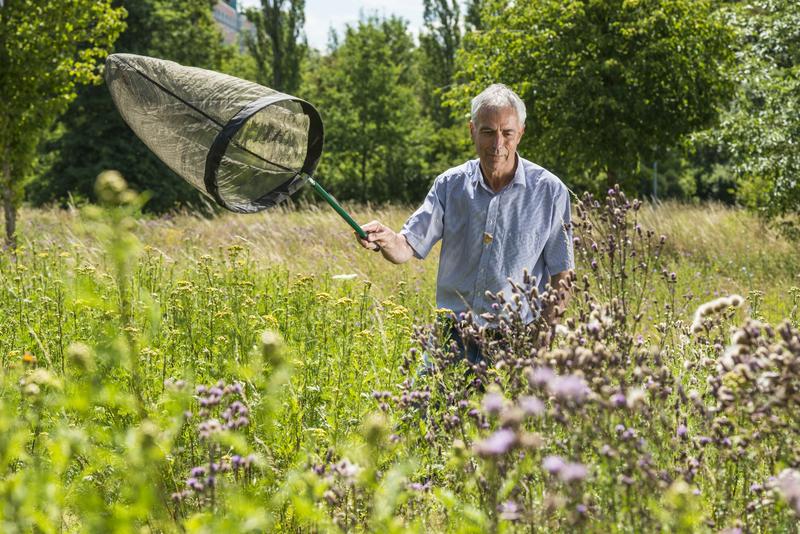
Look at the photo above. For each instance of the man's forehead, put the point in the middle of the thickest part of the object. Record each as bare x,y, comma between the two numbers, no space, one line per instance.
497,118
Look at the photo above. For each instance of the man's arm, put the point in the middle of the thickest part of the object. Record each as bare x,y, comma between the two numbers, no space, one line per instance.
560,283
392,245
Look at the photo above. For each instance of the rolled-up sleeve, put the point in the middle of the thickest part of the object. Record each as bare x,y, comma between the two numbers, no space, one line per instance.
558,252
424,228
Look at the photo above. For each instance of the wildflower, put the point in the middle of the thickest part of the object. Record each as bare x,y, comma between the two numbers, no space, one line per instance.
80,355
272,348
493,403
681,431
569,387
347,470
553,464
194,484
572,472
497,444
531,405
28,358
509,511
788,484
618,400
636,398
418,487
540,376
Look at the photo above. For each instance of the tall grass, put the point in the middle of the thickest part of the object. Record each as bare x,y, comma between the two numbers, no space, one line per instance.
109,321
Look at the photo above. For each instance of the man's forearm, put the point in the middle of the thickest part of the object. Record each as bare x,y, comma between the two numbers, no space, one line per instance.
399,251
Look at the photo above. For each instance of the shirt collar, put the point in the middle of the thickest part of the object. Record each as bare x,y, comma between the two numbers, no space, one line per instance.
519,175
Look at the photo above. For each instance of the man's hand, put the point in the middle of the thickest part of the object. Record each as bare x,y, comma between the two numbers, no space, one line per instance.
392,245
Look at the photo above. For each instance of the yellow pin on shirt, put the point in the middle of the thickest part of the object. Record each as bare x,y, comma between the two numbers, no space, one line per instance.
487,238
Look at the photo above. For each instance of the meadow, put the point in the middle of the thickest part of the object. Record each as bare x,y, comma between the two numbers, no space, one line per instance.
261,373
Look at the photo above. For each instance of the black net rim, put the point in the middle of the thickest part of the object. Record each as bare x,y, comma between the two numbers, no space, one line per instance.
224,137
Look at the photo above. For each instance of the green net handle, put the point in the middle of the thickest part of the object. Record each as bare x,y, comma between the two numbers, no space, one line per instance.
336,206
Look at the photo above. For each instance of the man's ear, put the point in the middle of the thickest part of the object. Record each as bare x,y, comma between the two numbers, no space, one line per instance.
472,128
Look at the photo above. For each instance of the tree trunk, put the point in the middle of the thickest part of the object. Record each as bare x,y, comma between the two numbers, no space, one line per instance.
9,208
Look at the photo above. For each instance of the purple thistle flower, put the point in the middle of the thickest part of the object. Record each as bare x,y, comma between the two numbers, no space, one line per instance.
541,376
788,484
418,487
553,464
497,444
618,400
569,387
198,471
531,405
682,431
509,511
194,484
573,472
493,403
346,469
581,509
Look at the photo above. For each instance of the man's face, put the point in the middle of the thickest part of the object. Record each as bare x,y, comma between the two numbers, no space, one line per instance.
496,133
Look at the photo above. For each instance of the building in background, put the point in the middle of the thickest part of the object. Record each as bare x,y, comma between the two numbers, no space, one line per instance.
233,24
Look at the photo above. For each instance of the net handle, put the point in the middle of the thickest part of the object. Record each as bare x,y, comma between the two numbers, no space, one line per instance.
336,206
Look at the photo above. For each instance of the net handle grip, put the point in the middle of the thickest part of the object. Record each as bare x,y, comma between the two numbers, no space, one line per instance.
336,206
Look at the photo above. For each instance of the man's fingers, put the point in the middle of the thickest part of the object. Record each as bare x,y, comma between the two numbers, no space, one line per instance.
372,226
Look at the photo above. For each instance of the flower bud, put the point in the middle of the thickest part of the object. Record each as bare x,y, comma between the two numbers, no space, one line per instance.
272,348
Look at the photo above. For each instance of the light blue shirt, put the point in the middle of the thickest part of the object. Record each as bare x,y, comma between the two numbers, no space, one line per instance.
488,237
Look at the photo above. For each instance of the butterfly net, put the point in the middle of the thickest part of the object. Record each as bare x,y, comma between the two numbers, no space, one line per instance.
242,144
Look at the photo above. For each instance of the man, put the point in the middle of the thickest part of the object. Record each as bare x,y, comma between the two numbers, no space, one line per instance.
496,216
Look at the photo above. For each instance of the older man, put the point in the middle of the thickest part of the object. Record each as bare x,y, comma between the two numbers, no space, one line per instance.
496,216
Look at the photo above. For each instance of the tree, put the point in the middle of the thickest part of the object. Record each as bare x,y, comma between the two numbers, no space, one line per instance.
607,82
92,136
439,43
376,138
760,132
279,46
473,19
47,49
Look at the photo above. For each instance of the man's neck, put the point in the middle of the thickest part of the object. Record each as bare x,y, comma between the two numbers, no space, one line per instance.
501,179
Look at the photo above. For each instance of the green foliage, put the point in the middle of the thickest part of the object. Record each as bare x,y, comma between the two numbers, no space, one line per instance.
94,137
47,50
761,129
606,82
109,324
377,139
278,47
438,45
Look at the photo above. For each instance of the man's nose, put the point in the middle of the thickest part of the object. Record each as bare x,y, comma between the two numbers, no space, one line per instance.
498,141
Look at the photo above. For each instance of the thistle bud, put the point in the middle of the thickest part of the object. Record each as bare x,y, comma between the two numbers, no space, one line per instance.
272,348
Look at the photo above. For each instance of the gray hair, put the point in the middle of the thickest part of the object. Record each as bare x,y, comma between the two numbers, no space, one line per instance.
497,96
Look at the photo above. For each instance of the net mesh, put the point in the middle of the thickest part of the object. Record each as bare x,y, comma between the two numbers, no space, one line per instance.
179,112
